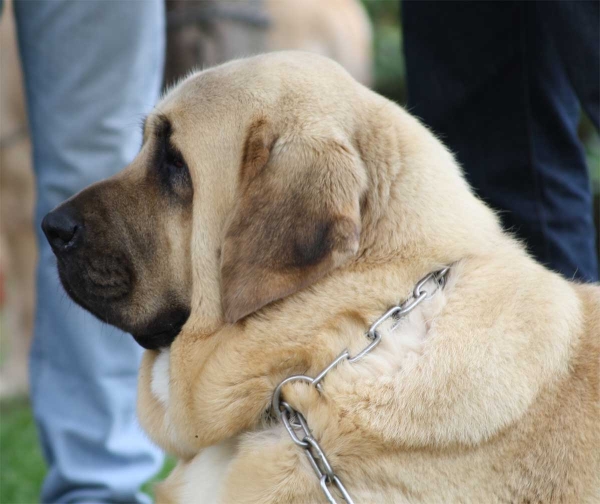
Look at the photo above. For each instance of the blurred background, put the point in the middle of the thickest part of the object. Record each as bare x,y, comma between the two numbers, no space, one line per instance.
198,33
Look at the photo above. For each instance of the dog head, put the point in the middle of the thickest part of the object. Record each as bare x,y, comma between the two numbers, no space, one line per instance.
246,190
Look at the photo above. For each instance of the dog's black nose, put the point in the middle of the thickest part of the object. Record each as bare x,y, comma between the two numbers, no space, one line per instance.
62,228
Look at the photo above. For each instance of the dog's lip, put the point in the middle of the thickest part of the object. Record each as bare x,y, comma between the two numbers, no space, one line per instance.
149,341
157,340
162,337
166,329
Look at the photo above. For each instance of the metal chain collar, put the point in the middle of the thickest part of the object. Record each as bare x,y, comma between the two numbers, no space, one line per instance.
295,422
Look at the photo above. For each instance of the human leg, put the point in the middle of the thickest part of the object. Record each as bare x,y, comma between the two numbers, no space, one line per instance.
487,77
92,69
575,28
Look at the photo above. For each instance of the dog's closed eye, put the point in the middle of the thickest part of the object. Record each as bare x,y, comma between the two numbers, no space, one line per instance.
174,163
173,173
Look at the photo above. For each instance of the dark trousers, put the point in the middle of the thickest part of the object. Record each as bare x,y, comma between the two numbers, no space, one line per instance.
503,84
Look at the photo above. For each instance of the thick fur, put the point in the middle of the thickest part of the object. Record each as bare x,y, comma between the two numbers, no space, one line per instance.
317,205
498,402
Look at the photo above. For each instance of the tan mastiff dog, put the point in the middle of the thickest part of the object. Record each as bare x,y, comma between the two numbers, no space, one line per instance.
277,209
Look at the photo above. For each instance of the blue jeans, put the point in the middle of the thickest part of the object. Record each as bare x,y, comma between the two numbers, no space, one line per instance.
92,69
502,84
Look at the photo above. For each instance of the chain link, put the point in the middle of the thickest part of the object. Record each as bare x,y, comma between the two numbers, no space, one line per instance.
294,422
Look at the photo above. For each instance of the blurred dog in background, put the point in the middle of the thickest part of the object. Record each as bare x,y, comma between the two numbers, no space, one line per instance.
199,33
17,238
210,32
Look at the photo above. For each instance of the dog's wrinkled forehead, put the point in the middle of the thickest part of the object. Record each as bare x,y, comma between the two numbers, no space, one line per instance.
280,84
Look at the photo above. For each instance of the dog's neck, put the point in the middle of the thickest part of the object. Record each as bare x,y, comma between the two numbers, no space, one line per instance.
416,195
339,320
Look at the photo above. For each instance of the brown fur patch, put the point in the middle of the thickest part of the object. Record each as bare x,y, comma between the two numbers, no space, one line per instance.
257,149
284,236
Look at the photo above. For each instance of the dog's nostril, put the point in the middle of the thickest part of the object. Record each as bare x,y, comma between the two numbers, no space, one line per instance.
62,228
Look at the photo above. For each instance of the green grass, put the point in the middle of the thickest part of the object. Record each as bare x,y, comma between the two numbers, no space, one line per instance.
164,472
22,467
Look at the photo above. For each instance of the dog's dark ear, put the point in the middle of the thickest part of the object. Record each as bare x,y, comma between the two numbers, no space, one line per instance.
297,217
